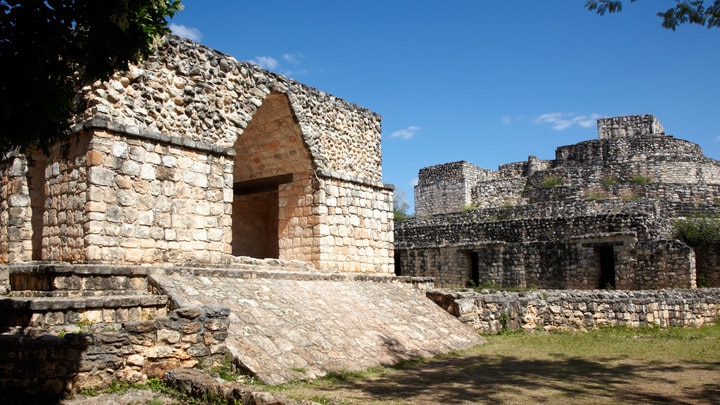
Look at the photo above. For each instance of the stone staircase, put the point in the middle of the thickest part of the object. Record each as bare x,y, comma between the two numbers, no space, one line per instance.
283,321
65,298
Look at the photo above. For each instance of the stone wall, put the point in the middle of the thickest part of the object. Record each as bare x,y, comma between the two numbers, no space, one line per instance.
202,95
600,213
633,125
161,163
131,351
494,311
15,211
632,159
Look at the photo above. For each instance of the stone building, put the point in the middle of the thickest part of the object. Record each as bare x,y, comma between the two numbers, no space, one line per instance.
194,157
598,215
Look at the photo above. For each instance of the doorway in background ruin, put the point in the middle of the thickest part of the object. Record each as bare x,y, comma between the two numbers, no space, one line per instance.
475,268
272,191
605,255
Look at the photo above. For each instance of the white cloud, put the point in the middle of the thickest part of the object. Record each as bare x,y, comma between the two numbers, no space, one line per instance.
507,120
293,58
190,33
560,121
415,182
406,133
266,62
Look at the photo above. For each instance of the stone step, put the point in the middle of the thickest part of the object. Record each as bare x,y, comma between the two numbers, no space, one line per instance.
77,277
45,312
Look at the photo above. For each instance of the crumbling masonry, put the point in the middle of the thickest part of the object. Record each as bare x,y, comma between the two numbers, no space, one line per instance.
194,157
598,215
205,209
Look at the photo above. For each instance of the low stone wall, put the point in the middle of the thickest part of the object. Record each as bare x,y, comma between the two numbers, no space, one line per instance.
493,311
51,365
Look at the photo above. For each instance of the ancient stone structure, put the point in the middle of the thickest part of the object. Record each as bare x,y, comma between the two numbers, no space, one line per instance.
201,208
195,157
495,311
599,215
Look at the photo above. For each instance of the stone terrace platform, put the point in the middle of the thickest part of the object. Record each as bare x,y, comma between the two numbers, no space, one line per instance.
288,325
281,321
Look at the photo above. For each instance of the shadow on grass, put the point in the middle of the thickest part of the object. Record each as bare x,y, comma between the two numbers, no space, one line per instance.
499,379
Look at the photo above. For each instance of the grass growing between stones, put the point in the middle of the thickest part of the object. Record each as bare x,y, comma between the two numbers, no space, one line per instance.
607,366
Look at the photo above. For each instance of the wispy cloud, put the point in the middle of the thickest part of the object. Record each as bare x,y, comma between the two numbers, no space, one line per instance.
406,133
560,121
190,33
279,65
265,62
509,119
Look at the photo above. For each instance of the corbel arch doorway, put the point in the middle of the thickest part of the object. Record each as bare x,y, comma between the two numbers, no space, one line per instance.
270,196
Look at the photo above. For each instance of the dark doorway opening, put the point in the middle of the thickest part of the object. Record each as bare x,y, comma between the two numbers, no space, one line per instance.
398,265
475,268
255,217
606,257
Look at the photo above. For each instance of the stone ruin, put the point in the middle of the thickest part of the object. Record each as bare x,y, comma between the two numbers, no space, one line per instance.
194,157
203,208
599,215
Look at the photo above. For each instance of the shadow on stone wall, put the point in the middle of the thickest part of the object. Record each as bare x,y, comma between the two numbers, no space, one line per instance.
39,370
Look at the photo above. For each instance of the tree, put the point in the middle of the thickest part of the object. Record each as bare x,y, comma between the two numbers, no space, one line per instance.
400,206
50,48
684,12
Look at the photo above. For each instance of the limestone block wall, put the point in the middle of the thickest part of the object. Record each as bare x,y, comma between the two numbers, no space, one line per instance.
633,158
355,227
627,126
494,311
65,216
131,351
549,245
137,200
15,210
447,187
163,159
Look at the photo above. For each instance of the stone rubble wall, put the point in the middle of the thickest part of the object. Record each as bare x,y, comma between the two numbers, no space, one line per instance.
632,159
466,229
558,264
202,95
628,126
131,351
150,172
494,311
446,187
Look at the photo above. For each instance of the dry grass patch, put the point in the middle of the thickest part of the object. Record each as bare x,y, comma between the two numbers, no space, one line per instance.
608,366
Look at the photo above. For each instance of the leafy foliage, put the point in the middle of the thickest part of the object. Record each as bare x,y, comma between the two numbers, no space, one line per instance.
400,206
550,182
698,229
51,48
641,180
684,12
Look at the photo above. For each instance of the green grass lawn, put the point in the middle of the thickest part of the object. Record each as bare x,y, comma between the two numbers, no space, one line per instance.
607,366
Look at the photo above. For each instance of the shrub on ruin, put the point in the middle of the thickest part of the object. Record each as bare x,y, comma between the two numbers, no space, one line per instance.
550,182
608,181
641,180
698,229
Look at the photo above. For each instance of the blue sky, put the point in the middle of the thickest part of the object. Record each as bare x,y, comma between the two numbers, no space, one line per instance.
489,82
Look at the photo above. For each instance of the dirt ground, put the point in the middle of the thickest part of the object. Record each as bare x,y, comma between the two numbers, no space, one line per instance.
607,367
